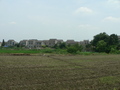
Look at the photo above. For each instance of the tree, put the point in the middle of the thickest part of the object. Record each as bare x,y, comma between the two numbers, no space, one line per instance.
113,39
3,43
74,48
89,47
71,49
101,46
17,44
62,45
99,37
78,47
102,36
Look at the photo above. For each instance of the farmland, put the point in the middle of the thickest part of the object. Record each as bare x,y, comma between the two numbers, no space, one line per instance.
60,72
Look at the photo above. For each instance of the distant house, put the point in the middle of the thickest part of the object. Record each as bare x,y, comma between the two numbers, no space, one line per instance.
23,43
52,42
59,41
83,43
32,43
39,44
45,43
71,42
11,43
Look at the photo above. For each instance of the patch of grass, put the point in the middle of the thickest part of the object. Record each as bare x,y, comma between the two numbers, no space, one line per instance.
33,51
110,79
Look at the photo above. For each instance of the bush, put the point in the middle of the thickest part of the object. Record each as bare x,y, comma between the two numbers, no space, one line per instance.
71,50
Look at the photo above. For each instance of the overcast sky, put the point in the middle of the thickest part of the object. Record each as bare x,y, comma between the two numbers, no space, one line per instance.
61,19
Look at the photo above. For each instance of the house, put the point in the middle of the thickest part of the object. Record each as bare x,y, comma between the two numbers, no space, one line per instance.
23,43
11,43
83,43
71,42
52,42
45,43
39,44
32,43
59,41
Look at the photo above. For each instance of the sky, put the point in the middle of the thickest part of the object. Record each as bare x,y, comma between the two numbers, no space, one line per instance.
60,19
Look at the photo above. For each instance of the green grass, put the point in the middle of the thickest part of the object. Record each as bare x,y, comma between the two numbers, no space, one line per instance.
60,72
110,79
43,51
32,51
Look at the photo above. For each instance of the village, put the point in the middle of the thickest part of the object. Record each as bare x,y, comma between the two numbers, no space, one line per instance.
38,44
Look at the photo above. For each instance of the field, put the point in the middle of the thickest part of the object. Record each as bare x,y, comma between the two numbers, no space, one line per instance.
60,72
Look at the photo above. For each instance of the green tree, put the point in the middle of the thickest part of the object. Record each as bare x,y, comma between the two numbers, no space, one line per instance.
101,46
113,49
71,49
113,39
99,37
89,47
17,45
74,48
62,45
3,43
102,36
78,47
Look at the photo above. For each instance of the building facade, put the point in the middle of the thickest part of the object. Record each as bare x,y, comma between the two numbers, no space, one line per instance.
11,43
34,43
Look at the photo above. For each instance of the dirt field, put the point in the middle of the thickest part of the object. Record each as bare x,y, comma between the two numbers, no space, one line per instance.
60,72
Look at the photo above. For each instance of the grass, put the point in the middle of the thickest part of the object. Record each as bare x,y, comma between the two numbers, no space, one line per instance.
32,51
61,72
43,51
109,79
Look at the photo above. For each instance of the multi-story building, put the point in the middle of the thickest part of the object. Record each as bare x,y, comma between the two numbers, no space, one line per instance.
52,42
23,43
39,44
45,43
71,42
83,43
11,43
32,43
59,41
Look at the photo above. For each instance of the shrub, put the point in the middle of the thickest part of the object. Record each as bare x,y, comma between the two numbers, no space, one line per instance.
72,50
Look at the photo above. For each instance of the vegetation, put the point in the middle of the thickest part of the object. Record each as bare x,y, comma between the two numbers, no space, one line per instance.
74,48
62,67
3,43
61,72
104,43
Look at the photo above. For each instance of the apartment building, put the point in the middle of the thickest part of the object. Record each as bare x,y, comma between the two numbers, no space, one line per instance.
23,43
11,43
71,42
39,44
84,42
52,42
31,43
45,43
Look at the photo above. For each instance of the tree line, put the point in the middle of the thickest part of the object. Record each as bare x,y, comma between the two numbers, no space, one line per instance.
105,43
101,42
